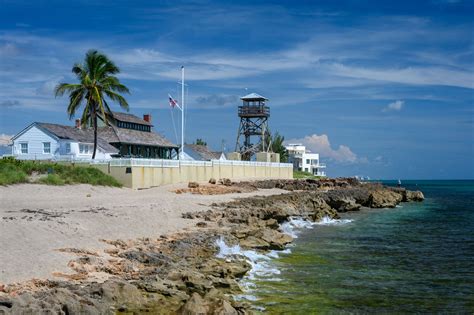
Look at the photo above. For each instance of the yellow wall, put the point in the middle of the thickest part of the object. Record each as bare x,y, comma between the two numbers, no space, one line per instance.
152,176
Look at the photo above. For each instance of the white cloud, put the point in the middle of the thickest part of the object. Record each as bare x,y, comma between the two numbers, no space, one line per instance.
5,139
410,75
394,106
320,144
47,88
217,100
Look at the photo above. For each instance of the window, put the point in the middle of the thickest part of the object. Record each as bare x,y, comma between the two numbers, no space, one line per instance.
68,148
85,148
307,161
46,147
24,148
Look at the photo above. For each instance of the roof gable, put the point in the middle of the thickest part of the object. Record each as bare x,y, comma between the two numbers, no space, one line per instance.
200,152
125,117
37,125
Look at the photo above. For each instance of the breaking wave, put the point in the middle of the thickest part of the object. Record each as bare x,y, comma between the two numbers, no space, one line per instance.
261,263
328,221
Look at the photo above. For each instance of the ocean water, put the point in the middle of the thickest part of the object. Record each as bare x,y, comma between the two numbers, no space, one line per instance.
418,257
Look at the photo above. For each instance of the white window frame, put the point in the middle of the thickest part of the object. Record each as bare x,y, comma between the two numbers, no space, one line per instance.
44,148
21,147
86,148
68,148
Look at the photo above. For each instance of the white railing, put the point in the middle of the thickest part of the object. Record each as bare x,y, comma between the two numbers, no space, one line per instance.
178,163
143,162
194,163
129,162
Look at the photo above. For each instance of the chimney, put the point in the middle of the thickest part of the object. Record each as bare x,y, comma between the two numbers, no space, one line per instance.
147,118
78,123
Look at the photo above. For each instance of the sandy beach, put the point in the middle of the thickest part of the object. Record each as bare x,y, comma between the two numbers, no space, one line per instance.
38,220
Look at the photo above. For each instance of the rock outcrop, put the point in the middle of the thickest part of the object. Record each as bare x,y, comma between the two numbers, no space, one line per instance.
182,274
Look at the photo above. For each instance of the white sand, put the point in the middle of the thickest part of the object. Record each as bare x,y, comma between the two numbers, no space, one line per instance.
29,238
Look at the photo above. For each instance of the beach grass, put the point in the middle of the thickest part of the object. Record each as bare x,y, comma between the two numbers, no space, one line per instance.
304,175
14,171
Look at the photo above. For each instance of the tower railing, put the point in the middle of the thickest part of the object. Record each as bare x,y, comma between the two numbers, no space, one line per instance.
254,111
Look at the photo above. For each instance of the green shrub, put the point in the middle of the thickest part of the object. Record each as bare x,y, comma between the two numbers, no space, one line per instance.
51,179
14,171
9,174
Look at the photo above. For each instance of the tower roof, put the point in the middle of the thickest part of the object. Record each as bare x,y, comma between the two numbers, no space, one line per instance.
253,96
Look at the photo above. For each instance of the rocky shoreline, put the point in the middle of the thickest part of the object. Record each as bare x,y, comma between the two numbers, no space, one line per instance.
182,274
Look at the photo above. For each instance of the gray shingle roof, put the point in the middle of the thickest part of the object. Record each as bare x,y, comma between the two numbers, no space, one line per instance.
130,118
79,135
114,134
253,96
201,152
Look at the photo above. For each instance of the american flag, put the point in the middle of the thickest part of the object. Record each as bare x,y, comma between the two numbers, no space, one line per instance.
172,101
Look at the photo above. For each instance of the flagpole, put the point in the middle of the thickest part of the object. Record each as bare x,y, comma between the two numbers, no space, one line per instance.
181,156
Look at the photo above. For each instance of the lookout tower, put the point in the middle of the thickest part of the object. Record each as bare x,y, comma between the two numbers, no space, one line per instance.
254,116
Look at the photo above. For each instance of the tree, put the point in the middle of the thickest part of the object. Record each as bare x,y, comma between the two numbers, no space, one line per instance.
97,81
199,141
278,147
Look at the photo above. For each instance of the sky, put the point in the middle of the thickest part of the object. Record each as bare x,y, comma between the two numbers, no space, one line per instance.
379,88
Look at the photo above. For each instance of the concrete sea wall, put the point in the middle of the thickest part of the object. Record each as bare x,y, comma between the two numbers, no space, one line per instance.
146,173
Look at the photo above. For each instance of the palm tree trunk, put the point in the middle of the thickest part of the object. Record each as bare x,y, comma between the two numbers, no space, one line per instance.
94,121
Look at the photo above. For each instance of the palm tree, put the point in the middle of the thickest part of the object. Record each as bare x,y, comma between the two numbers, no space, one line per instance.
97,81
278,147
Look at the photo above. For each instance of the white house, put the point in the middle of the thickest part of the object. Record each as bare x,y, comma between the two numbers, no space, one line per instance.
43,141
198,152
304,160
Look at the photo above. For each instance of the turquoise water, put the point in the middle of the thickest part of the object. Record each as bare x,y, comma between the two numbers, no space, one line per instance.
415,258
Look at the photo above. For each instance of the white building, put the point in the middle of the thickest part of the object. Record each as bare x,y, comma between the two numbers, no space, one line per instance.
304,160
42,141
124,135
197,152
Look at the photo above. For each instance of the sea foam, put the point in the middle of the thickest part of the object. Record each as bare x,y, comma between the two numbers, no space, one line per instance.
262,267
328,221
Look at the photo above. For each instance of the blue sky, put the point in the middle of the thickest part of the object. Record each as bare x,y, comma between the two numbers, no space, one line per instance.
379,88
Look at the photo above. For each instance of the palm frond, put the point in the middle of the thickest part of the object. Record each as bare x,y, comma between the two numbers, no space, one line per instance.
79,71
96,76
107,110
91,62
75,99
62,88
113,83
107,67
99,100
85,116
117,98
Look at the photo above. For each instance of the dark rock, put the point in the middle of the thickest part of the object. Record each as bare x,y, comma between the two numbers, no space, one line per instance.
146,257
225,182
193,185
